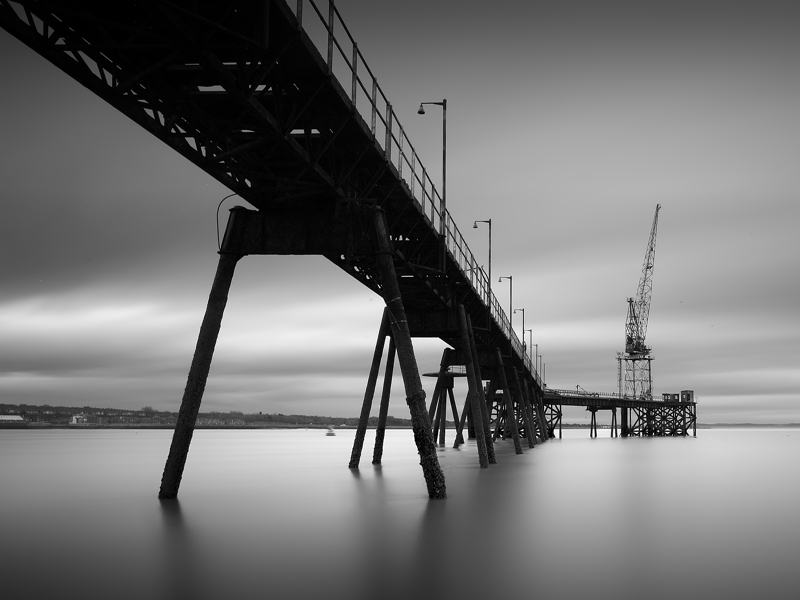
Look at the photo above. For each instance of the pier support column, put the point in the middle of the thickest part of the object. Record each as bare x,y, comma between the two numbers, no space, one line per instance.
454,409
522,402
484,412
369,393
624,421
380,432
198,375
415,395
613,421
473,383
538,406
511,419
439,396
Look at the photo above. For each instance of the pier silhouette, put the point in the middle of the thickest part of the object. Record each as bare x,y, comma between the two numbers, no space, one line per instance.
294,123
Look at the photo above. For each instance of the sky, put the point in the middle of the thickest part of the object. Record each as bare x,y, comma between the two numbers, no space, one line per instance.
568,122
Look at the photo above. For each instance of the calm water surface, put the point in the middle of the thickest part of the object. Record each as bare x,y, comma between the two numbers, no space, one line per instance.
278,514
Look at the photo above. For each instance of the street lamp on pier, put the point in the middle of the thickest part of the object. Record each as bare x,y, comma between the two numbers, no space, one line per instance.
421,111
522,310
510,300
475,226
530,340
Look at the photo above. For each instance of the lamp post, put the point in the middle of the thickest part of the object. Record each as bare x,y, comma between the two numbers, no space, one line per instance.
421,111
522,310
536,361
475,226
530,340
510,300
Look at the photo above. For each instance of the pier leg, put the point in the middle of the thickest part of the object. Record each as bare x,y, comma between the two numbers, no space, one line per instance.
525,408
454,409
472,394
380,432
539,404
441,415
484,412
369,393
624,418
443,365
470,424
466,417
511,420
614,421
415,395
198,375
532,413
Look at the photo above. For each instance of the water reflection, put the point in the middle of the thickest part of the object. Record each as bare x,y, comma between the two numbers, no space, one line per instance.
277,514
179,565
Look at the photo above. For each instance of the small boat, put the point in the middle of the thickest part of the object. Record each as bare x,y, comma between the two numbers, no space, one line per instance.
330,431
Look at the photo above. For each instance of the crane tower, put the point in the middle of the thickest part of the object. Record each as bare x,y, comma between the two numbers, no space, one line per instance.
635,378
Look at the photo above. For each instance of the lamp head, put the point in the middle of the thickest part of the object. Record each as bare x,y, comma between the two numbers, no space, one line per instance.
475,225
421,110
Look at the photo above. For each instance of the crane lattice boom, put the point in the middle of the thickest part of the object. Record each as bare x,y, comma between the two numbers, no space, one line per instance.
639,307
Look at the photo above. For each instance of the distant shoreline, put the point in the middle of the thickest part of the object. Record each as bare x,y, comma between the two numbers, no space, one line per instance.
82,426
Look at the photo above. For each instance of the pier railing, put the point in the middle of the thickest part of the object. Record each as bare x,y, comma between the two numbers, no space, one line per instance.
347,64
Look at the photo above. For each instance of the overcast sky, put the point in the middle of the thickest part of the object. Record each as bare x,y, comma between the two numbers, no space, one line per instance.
567,123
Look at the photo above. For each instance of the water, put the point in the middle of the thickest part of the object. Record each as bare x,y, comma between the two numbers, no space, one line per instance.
278,514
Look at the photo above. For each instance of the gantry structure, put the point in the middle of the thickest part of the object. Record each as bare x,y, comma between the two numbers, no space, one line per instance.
276,101
672,415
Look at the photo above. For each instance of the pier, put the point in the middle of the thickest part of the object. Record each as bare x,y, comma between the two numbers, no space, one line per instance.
302,134
639,417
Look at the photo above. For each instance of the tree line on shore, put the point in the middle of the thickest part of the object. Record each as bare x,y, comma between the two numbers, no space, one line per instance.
57,415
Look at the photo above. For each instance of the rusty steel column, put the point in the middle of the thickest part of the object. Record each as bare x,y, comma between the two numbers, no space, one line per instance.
369,393
472,394
484,414
415,395
198,375
511,419
624,421
538,405
443,365
454,409
523,405
380,432
438,420
536,417
466,415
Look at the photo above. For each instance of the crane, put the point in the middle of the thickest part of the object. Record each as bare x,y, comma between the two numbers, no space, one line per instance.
636,380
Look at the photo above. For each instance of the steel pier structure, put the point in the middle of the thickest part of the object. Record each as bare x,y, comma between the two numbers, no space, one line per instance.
641,417
276,101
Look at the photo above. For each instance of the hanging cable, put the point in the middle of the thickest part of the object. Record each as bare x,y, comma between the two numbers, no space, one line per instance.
219,243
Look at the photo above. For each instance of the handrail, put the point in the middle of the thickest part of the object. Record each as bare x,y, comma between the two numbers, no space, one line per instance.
400,153
585,394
